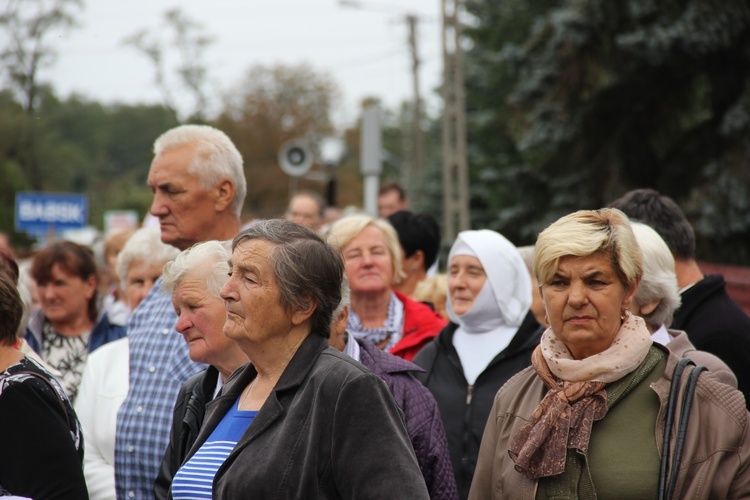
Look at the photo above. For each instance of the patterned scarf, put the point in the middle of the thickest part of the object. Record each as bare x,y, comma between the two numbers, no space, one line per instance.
575,399
392,329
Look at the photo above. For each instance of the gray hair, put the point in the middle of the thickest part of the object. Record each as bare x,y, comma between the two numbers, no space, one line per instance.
209,259
527,254
306,269
659,281
216,158
144,246
346,295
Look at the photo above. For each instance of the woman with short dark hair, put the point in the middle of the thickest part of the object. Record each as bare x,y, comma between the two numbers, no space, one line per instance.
69,325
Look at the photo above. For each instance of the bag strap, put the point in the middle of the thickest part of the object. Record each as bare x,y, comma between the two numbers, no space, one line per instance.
687,402
667,474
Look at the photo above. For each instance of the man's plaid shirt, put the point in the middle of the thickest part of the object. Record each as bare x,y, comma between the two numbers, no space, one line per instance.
159,365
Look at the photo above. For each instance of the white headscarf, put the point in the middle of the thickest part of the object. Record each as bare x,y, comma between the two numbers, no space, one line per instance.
499,308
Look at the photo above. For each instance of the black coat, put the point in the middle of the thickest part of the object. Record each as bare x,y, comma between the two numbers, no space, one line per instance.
716,324
464,408
329,429
189,409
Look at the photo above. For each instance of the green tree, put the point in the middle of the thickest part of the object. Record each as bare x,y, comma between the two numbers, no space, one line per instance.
594,98
25,29
187,46
83,147
26,26
270,105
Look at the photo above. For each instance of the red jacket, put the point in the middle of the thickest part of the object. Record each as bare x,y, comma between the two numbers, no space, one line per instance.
421,324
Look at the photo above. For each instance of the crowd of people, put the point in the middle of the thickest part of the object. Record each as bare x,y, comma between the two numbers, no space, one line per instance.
325,355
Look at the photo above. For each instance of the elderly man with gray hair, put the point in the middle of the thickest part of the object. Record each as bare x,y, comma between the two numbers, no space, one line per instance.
198,184
657,299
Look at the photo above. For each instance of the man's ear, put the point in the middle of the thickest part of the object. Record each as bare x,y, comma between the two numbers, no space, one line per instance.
419,258
225,192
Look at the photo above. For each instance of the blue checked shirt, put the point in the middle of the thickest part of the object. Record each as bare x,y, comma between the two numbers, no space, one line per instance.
159,365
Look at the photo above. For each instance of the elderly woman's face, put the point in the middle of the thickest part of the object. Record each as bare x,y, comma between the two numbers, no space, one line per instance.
201,317
585,300
252,298
368,263
466,277
139,281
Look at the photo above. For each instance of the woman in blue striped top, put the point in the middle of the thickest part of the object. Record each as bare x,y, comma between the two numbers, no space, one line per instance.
301,420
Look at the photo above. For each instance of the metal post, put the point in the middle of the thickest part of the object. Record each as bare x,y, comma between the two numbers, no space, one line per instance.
417,164
455,168
371,163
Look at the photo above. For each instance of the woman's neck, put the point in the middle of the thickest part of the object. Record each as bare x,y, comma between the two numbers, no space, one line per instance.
73,328
234,360
270,359
9,356
410,282
372,309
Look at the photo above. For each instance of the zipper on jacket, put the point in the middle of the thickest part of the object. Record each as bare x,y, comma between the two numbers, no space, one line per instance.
469,394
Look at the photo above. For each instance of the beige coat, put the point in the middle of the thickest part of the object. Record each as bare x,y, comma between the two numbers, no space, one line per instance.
716,459
681,347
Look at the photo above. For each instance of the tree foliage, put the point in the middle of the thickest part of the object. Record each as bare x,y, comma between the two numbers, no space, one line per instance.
186,47
270,105
573,103
81,147
25,26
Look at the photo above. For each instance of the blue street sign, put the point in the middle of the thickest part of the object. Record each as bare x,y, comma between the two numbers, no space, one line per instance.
38,213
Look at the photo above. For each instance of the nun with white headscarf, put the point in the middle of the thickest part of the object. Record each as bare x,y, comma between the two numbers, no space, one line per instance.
489,339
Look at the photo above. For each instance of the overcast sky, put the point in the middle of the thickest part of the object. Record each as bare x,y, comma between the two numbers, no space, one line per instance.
364,49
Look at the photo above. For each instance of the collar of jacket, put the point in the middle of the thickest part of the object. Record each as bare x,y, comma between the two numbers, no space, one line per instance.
380,362
294,374
710,284
527,337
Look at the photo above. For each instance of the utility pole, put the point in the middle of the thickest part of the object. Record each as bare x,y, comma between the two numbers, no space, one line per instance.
455,168
417,157
413,142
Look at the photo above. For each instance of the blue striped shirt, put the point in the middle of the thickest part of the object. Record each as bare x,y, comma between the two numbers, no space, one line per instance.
194,480
159,365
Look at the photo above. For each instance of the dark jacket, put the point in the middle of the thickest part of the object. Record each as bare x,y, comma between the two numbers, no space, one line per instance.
421,415
329,429
102,333
716,324
189,410
41,443
464,408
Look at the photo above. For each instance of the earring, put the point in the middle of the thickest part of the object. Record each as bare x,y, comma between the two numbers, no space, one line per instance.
625,315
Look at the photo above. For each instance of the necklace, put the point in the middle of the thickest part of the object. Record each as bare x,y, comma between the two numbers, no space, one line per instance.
248,391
